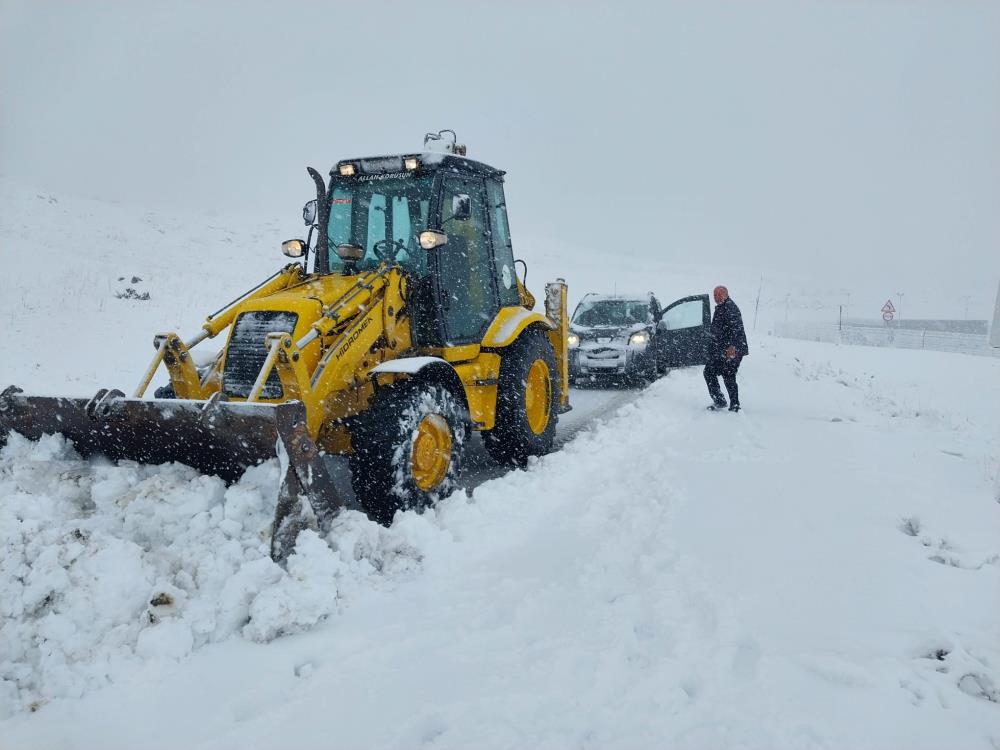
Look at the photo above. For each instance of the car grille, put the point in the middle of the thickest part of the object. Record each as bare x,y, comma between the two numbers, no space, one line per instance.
604,352
246,353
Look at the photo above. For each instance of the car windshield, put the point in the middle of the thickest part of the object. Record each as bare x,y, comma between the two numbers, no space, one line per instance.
390,210
612,312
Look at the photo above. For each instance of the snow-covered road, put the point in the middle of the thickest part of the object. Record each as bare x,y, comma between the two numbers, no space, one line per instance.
590,405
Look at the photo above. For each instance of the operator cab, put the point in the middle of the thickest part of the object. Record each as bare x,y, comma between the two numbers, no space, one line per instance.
439,216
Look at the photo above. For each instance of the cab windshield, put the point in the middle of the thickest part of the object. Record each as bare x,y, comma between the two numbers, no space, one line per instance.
382,214
612,312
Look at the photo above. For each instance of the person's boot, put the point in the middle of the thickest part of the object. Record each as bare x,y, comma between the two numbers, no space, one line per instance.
734,407
717,404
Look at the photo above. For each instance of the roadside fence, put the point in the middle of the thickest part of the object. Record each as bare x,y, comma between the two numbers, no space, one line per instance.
888,336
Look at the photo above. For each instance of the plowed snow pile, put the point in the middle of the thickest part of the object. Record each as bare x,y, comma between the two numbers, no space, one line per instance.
106,566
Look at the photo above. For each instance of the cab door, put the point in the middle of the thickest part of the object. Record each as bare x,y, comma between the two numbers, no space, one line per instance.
683,334
463,266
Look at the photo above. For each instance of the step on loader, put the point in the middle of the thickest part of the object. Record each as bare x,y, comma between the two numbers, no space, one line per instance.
411,330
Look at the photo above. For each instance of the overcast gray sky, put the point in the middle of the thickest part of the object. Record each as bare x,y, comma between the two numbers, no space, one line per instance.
795,135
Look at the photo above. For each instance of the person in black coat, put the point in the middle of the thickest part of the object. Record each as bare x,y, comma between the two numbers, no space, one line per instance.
729,347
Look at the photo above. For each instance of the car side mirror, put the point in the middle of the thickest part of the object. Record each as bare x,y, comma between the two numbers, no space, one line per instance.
294,248
309,213
461,207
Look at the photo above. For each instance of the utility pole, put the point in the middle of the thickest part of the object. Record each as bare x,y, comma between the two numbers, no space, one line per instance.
966,299
899,307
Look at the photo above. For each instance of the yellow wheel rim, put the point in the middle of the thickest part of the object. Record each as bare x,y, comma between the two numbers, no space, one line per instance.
431,452
538,396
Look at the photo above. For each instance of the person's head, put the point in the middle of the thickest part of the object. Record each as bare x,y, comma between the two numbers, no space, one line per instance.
721,294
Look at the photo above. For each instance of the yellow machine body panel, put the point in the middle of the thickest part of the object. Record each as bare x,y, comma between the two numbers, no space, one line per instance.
479,377
345,327
509,324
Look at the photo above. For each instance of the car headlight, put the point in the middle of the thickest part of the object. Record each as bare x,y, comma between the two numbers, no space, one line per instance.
638,338
573,340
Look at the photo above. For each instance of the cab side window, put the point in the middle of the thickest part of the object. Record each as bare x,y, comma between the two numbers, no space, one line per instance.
465,270
503,251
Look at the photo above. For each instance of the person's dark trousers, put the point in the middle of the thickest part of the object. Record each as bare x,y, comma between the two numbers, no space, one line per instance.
727,369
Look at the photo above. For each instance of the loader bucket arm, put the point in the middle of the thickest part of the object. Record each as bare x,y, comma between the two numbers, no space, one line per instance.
214,437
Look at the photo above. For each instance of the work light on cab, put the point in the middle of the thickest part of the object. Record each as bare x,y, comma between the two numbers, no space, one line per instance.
431,239
347,170
411,163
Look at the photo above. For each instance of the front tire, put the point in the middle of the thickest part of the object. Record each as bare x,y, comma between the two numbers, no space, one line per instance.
407,449
643,374
527,401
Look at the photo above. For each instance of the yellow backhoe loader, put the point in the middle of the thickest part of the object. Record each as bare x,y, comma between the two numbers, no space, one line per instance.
411,330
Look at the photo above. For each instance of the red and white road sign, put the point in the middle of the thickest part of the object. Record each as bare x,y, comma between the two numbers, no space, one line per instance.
887,316
888,307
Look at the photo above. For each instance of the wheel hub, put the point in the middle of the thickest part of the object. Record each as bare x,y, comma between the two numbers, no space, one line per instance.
431,452
538,396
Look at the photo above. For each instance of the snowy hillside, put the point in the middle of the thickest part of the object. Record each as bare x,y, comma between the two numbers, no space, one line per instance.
70,263
819,571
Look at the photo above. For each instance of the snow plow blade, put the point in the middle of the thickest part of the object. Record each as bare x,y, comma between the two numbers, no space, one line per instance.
214,437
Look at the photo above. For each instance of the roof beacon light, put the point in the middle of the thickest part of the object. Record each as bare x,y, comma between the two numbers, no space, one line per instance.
449,148
411,163
347,170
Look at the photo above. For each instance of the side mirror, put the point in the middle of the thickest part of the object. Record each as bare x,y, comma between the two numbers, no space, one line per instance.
309,213
461,207
432,239
294,248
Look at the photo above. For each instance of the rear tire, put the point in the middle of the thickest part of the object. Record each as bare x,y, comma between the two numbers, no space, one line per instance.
407,449
527,401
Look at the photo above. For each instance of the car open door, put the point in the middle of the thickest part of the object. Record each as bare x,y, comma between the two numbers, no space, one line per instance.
683,334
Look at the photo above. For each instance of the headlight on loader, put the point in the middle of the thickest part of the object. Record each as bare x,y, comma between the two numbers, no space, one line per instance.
638,339
573,341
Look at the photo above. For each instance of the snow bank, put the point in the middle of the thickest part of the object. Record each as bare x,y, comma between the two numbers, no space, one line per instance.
106,568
